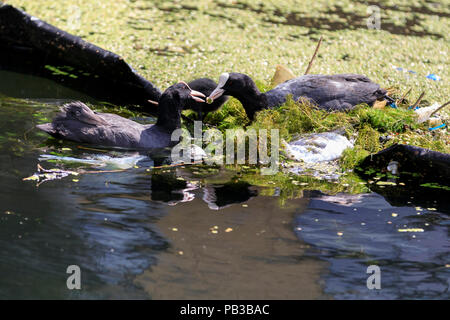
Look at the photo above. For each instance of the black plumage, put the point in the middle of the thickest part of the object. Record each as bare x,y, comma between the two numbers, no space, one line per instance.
78,123
330,92
205,86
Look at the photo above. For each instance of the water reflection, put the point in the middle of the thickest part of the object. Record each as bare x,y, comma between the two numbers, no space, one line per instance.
353,232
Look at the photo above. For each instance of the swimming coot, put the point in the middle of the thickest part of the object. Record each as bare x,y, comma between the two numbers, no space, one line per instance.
78,123
330,92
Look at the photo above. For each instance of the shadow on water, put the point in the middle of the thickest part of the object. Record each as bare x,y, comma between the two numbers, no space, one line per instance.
347,20
423,9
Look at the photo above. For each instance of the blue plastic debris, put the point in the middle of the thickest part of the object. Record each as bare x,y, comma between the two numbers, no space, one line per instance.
433,76
438,127
404,70
393,105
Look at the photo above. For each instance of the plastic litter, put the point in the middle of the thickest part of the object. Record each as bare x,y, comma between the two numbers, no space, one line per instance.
430,76
317,147
433,76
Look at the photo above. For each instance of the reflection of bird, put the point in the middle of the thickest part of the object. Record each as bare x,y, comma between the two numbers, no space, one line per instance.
221,196
166,187
78,123
329,92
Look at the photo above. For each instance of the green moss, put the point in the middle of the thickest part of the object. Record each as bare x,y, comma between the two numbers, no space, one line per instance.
368,139
352,157
302,117
231,115
385,120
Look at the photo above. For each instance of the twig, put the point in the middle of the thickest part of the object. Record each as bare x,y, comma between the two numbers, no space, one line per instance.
444,105
92,149
404,96
101,171
314,55
418,100
177,165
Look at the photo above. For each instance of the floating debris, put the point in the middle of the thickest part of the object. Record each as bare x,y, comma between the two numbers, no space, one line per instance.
281,75
433,76
430,76
99,160
425,113
393,167
42,175
317,147
411,230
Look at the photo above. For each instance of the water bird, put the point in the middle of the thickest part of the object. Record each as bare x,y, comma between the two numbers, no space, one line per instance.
77,122
338,92
205,86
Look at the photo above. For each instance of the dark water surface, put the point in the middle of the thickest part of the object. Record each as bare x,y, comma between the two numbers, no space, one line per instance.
191,233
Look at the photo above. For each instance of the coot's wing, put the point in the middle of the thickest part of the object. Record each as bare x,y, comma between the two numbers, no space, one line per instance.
102,129
335,92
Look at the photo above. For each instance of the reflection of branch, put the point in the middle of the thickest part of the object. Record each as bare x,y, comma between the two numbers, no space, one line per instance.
177,165
92,149
101,171
314,55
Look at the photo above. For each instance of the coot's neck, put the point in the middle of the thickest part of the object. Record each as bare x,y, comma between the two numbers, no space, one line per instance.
252,99
169,117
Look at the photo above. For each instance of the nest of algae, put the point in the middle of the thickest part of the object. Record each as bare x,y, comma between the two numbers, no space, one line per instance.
371,129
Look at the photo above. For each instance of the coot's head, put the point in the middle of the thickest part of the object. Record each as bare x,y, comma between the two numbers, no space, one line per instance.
233,84
172,101
205,86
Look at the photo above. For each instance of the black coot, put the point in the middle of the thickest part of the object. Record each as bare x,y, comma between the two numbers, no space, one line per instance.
78,123
330,92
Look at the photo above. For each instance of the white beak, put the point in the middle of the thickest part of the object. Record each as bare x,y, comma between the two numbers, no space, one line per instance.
214,95
196,94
